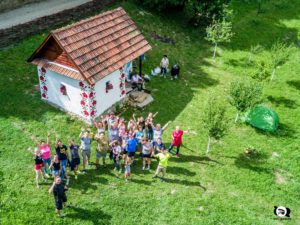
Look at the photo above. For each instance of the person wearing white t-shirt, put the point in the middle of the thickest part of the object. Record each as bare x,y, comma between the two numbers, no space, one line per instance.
137,81
164,64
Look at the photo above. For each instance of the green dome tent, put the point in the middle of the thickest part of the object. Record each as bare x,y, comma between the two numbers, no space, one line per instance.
262,118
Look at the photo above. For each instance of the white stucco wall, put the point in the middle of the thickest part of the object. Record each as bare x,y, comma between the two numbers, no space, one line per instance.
69,102
106,100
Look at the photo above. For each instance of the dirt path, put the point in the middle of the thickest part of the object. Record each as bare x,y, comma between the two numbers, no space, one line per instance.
33,11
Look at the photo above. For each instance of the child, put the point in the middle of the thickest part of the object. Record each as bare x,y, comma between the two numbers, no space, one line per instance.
116,151
127,169
131,146
60,197
177,139
149,125
146,153
55,166
164,64
46,155
163,158
75,159
38,166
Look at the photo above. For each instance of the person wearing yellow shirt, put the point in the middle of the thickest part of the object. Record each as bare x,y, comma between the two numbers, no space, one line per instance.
163,158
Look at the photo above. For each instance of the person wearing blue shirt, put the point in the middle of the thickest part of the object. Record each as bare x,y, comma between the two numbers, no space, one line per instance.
131,146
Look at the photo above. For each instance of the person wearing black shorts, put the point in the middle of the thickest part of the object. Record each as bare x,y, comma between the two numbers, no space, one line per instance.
75,159
60,197
146,153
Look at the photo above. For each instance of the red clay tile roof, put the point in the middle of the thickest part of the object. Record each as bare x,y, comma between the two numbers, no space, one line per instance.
99,45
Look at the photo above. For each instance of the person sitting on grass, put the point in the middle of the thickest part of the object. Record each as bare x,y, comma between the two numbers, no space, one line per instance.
146,153
38,166
177,139
75,159
60,197
163,158
127,173
85,147
55,166
101,149
137,82
46,155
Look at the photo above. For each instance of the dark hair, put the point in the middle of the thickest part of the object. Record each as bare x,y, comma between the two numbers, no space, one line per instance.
42,141
165,56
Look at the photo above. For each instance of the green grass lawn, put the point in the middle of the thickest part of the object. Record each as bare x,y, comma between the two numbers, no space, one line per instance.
226,188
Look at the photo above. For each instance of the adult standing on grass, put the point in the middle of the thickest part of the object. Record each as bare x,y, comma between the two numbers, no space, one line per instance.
85,147
38,166
163,158
75,159
177,139
158,131
158,146
146,153
60,197
164,64
46,155
131,146
62,152
101,149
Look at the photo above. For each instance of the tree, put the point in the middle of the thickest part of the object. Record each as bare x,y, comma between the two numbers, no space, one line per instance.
214,121
263,67
219,31
243,95
199,13
279,55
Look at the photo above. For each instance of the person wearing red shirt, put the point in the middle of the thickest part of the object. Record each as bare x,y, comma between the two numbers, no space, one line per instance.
177,139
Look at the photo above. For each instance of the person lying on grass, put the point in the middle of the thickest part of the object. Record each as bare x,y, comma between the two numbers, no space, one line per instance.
38,166
59,193
163,158
75,159
177,139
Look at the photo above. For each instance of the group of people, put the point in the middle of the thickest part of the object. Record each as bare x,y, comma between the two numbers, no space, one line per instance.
115,139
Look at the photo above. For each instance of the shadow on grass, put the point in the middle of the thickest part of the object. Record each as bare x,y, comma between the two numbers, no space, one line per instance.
254,162
198,159
294,84
284,130
180,171
185,183
278,101
96,216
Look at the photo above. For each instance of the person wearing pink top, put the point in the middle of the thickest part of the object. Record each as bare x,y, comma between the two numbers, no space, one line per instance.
46,154
177,139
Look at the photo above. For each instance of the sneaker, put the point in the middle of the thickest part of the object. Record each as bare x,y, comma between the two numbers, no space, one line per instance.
38,186
83,171
61,215
148,168
177,155
120,171
154,176
143,168
162,180
76,177
126,180
115,168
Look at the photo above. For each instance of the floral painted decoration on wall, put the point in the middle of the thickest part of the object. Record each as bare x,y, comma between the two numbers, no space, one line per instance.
122,85
88,100
43,83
